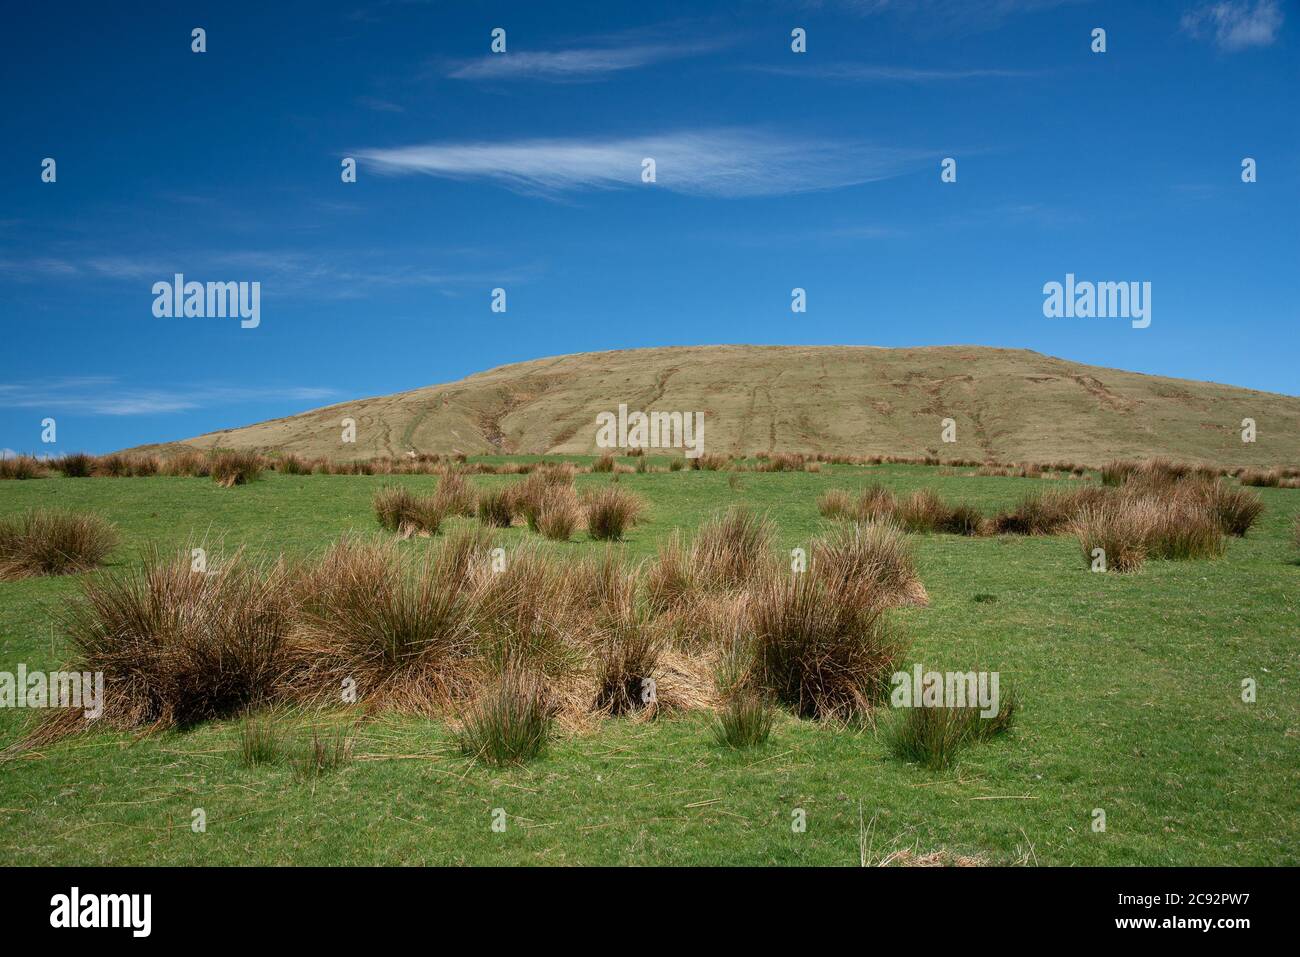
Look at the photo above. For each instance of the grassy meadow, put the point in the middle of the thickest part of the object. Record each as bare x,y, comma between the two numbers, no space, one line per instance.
1129,692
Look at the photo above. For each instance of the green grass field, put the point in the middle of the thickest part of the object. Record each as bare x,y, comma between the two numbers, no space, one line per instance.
1129,686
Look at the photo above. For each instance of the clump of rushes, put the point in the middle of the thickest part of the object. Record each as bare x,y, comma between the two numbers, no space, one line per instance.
603,464
1120,529
400,510
922,511
187,464
963,519
1184,530
626,645
229,469
293,464
178,646
731,549
1235,509
20,467
464,554
1050,513
455,495
1261,478
835,504
53,542
113,465
259,742
76,465
496,507
396,624
611,512
745,716
874,561
560,513
876,504
710,462
324,752
510,723
933,736
528,495
821,644
1117,472
522,618
670,577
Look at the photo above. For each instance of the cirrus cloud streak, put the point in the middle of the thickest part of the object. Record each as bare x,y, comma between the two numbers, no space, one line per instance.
722,163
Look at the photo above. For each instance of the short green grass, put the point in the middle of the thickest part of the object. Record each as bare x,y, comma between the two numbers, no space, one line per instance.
1129,691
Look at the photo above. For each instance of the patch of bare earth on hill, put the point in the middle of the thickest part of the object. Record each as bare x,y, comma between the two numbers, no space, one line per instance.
1097,389
510,400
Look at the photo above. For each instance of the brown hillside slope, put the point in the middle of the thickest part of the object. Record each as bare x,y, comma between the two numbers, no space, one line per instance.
1009,405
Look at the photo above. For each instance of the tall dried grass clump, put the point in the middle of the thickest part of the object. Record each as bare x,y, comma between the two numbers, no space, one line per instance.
510,723
496,507
528,495
1235,509
782,462
835,504
528,617
874,560
229,469
75,465
875,503
820,648
455,495
611,512
20,467
1183,530
670,578
922,511
731,549
53,542
1049,513
1120,528
603,464
179,646
624,644
560,513
400,510
113,465
1261,478
1132,528
710,462
398,626
293,464
187,465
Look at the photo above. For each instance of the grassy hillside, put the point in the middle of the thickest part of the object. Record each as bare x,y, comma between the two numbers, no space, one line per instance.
1129,688
1009,405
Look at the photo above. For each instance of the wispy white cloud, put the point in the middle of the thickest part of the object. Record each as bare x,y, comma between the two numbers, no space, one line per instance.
378,104
871,73
727,163
593,61
1236,24
105,395
282,272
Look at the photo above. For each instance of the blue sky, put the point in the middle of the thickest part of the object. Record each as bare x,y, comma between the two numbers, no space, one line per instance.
522,170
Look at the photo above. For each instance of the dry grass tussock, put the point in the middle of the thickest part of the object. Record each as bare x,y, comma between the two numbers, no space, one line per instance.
454,630
53,542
